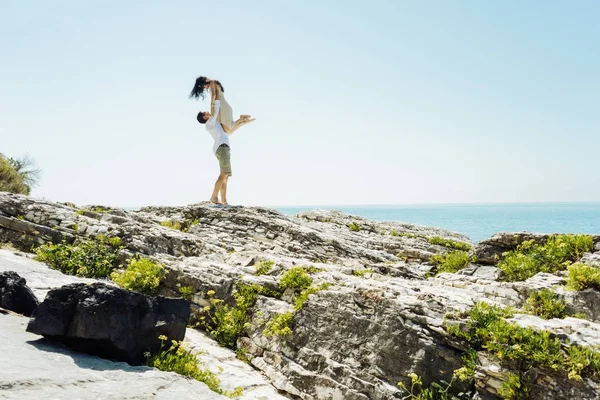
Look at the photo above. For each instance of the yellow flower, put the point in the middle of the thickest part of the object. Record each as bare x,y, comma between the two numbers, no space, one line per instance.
162,337
206,308
210,292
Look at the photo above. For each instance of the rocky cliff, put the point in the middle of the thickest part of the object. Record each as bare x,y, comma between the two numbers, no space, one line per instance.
336,306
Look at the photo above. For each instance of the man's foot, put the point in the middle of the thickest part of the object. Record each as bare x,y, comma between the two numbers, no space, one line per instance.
215,200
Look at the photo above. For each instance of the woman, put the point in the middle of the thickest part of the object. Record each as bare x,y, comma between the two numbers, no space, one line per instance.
216,93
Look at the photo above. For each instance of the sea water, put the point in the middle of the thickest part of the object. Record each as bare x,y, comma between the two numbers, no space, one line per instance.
481,221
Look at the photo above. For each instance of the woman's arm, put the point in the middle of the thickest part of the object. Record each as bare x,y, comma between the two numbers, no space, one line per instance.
212,86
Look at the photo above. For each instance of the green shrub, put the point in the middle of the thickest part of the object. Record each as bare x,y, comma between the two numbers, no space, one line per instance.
263,267
180,360
295,278
393,233
362,272
226,323
451,244
142,275
582,276
279,325
354,227
451,262
186,292
515,388
171,224
555,255
303,296
91,258
487,329
546,304
10,179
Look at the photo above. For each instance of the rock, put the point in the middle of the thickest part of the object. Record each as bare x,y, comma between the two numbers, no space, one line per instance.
15,295
381,318
109,322
37,368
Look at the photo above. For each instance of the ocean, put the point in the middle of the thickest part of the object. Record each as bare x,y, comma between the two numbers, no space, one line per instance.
481,221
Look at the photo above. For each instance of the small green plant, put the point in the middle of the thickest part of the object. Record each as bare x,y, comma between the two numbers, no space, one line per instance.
556,254
20,217
186,292
241,355
354,227
362,272
263,267
303,296
279,325
91,258
451,244
142,275
515,388
172,224
434,392
451,262
75,227
393,233
176,358
582,276
227,322
295,278
545,304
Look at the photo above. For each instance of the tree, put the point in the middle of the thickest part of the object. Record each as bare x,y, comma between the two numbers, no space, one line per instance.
25,166
18,175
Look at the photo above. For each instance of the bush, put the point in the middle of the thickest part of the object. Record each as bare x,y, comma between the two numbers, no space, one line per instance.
91,258
354,227
545,304
451,244
303,296
487,329
10,180
226,323
171,224
295,278
555,255
279,325
451,262
582,276
186,292
142,275
362,272
263,267
180,360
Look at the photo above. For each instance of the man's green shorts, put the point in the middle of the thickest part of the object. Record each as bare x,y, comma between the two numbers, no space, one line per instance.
224,156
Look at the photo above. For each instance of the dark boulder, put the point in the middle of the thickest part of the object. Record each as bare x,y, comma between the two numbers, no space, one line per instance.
15,295
108,321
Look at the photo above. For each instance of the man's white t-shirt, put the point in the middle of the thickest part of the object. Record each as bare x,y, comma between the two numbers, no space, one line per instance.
215,129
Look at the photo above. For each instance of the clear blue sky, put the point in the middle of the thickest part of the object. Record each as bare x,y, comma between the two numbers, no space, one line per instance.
380,102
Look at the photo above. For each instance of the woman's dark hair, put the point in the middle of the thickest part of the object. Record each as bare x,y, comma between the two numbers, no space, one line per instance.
198,90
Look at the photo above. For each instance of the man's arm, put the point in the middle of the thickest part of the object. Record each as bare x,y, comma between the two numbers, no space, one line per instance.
238,124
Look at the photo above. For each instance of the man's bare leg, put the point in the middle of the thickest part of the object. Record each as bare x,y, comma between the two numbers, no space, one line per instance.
215,195
224,188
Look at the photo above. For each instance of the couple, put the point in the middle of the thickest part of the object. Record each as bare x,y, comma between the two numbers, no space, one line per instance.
220,124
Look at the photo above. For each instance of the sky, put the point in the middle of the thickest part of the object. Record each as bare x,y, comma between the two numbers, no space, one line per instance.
379,102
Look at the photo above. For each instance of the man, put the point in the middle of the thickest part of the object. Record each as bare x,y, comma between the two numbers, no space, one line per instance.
221,147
